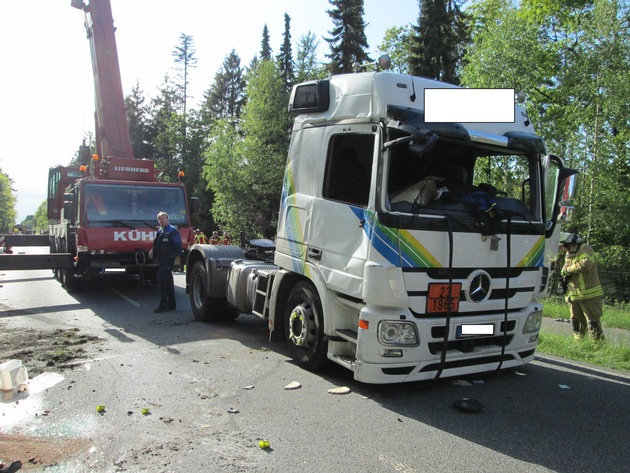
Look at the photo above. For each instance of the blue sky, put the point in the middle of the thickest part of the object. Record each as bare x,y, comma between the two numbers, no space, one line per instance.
48,98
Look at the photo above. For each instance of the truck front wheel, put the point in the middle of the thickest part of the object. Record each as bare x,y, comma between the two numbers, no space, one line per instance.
204,307
305,326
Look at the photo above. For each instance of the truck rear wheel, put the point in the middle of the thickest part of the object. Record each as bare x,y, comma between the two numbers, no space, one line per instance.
66,276
204,307
54,248
305,326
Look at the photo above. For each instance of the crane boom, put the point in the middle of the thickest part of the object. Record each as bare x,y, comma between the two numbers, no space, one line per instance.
111,126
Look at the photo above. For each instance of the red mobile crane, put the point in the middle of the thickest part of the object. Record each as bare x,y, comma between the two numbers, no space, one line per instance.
103,210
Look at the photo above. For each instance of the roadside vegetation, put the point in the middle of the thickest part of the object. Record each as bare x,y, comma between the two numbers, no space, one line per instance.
606,353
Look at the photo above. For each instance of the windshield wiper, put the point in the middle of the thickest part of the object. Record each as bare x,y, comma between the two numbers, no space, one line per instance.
124,223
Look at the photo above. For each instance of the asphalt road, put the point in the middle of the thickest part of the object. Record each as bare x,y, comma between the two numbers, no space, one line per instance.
211,392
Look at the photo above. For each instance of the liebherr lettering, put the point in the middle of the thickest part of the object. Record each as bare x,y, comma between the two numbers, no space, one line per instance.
130,169
134,235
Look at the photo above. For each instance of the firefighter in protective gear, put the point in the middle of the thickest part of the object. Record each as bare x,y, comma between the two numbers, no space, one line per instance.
584,291
215,239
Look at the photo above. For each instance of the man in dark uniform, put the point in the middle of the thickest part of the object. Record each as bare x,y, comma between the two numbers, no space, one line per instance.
166,247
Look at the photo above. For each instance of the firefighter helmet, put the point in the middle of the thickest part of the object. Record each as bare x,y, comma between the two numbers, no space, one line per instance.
569,238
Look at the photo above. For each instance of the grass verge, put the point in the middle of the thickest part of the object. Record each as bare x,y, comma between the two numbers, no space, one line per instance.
614,316
601,353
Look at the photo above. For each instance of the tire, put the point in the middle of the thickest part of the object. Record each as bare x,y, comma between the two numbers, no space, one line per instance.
54,248
304,325
67,278
205,308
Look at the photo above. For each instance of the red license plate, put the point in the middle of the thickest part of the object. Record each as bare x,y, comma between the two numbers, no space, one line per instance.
440,295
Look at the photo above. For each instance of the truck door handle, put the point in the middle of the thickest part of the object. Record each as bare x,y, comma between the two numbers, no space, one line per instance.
314,253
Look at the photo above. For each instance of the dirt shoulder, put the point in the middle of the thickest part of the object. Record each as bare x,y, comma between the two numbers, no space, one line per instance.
40,351
44,350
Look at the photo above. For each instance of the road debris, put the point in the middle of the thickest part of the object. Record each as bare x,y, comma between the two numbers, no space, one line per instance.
340,390
461,382
293,385
466,404
12,468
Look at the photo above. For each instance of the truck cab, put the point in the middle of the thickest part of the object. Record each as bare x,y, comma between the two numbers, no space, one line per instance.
415,235
407,249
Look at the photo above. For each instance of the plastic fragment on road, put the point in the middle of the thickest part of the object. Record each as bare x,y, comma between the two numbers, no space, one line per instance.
293,385
248,388
263,444
461,382
466,404
100,409
146,411
563,386
340,390
12,375
233,410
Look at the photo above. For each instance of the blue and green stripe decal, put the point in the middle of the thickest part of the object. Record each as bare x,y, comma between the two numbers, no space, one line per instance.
534,257
293,226
399,248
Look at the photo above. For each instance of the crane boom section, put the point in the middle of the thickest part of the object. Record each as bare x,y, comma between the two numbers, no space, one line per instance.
112,128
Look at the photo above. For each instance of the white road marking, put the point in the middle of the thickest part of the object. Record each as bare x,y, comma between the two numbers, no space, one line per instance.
128,299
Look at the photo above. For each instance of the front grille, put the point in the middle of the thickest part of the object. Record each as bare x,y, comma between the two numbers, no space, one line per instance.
440,330
468,362
469,344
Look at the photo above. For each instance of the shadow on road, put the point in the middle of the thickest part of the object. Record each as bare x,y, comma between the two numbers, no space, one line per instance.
553,414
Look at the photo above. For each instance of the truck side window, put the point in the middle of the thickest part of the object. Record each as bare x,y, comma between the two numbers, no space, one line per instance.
349,169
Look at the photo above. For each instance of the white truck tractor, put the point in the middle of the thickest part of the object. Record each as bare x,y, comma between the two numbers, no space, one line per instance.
405,250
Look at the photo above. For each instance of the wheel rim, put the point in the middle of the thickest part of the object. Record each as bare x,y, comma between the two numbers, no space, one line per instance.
299,324
197,291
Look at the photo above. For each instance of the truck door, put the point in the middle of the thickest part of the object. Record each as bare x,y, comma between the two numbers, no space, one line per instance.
337,244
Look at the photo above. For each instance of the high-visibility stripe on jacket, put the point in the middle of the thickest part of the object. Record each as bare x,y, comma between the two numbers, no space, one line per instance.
581,269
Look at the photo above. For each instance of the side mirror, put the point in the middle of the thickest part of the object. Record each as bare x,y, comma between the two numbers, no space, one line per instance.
69,208
194,204
567,196
560,191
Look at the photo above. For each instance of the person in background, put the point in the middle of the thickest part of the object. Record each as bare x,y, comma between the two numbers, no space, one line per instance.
200,237
584,291
166,247
225,239
214,239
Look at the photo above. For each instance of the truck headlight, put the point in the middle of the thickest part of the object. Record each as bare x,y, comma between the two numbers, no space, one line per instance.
532,324
397,333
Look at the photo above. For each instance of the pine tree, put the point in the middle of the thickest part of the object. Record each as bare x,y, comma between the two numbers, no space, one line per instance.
437,45
285,58
137,116
165,129
348,43
226,96
265,52
184,55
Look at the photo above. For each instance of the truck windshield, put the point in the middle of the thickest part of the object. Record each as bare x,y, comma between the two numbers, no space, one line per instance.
448,178
131,206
